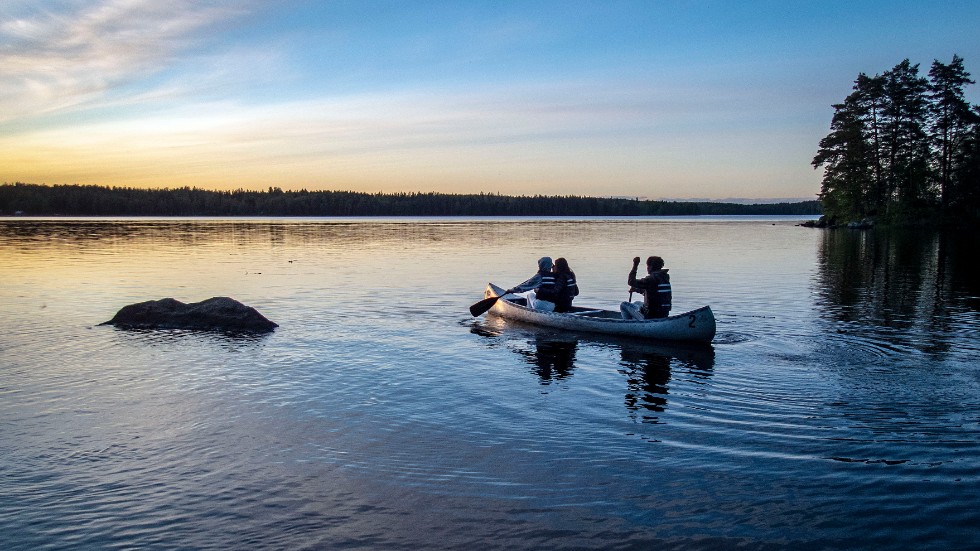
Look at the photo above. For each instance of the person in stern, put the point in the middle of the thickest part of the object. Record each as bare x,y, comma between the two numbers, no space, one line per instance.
540,289
565,284
655,288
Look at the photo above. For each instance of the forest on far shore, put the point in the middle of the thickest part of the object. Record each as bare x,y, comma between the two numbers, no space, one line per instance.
79,200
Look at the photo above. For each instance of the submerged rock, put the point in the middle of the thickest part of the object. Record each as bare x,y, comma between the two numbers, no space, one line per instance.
213,314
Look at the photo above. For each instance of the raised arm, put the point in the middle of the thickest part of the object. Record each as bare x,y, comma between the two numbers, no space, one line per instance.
631,280
643,284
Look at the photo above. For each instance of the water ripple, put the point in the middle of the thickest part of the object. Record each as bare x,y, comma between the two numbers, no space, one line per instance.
381,415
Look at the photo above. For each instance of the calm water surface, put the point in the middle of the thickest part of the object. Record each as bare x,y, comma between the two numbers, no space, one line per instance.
839,406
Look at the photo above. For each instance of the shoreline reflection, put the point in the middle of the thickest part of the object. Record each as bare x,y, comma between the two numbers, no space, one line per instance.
911,285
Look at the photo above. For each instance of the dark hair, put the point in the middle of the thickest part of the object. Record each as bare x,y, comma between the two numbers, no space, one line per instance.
561,266
655,263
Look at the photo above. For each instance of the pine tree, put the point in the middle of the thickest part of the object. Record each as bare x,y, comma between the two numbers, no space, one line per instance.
847,160
903,133
949,122
903,148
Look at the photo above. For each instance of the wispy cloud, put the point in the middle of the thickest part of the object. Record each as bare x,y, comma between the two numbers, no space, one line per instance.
562,138
210,93
52,61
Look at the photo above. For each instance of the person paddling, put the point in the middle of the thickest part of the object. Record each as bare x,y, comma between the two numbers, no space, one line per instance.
656,291
541,288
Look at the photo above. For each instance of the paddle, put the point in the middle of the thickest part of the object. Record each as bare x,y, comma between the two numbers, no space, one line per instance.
483,305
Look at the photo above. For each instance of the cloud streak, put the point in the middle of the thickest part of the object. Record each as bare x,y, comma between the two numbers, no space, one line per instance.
54,61
632,98
555,138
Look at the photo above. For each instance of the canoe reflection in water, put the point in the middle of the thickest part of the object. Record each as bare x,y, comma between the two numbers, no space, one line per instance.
550,354
552,360
646,366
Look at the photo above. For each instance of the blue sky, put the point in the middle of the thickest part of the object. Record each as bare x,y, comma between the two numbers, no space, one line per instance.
656,99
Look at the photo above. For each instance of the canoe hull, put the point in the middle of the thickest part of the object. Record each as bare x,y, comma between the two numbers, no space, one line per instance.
694,326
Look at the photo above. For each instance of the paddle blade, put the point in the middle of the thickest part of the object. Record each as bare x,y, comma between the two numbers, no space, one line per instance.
483,306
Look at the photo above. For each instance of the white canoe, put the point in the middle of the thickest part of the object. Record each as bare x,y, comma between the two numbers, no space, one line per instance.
694,326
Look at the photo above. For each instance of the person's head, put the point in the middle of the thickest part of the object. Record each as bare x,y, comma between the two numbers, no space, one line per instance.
544,263
654,263
561,266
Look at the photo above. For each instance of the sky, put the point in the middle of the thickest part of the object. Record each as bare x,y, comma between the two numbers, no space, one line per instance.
652,99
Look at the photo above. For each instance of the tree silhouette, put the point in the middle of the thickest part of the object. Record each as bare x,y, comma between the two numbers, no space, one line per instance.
903,148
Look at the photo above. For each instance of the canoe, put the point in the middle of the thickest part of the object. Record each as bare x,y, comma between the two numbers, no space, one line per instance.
695,326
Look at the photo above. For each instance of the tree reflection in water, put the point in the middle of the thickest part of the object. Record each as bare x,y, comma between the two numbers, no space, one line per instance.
909,285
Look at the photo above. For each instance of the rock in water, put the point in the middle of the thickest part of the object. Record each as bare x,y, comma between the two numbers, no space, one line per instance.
214,314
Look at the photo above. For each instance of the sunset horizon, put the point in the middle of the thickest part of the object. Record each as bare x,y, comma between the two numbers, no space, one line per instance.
666,100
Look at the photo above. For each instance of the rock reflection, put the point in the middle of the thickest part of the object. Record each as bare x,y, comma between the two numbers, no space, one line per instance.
230,340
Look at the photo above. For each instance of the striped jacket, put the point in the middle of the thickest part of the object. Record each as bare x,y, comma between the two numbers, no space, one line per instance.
567,290
657,294
544,284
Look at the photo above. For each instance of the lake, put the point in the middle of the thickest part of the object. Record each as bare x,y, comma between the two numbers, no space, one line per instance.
838,407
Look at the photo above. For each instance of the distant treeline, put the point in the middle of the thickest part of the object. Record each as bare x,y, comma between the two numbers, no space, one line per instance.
77,200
